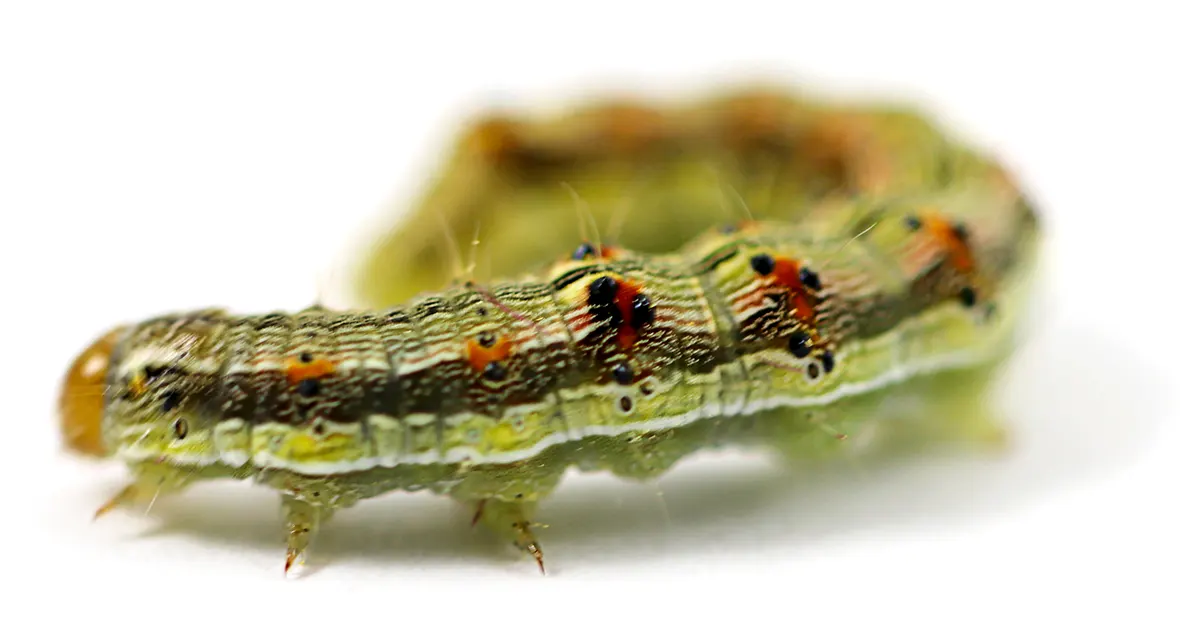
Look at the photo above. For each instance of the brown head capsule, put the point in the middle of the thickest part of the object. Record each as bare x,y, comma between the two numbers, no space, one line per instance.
81,400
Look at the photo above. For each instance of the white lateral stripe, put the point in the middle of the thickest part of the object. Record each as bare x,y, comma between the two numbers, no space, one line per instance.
462,454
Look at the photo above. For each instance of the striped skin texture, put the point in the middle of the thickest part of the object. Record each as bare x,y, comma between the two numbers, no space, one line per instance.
888,270
326,393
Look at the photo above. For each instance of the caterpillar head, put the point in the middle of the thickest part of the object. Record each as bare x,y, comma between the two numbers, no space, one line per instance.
135,393
81,398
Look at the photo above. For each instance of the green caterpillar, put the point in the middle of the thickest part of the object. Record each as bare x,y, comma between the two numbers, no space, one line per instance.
900,274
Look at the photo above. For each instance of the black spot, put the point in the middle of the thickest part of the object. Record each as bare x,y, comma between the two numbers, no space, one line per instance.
799,344
814,371
967,296
180,428
309,387
762,263
626,404
602,291
486,339
729,229
827,361
584,251
494,371
647,388
170,400
960,231
154,372
810,279
319,428
306,357
623,373
642,312
912,222
481,311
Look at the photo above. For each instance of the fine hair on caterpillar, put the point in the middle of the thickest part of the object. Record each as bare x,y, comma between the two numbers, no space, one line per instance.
866,276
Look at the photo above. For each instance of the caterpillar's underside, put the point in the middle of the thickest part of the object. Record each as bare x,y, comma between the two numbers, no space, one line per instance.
884,264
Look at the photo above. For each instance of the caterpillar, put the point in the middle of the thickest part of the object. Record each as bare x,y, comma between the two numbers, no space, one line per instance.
657,175
779,331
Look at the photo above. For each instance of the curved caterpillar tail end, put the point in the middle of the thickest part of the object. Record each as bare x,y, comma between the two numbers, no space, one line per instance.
81,399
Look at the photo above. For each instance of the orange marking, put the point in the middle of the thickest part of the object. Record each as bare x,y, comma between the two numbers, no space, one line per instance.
479,357
298,370
787,273
626,334
943,232
610,251
626,337
600,252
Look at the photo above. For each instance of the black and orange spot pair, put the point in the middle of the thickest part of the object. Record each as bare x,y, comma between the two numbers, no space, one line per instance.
801,281
623,305
587,251
305,372
485,352
953,239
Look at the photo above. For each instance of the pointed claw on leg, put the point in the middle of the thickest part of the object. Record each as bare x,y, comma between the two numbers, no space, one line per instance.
149,482
536,552
302,519
511,521
294,558
126,495
525,540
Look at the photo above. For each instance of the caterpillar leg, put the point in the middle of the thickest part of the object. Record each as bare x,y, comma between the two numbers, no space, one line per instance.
301,521
935,412
511,520
956,409
149,483
802,436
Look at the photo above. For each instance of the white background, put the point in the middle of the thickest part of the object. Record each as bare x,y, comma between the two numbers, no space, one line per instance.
154,159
